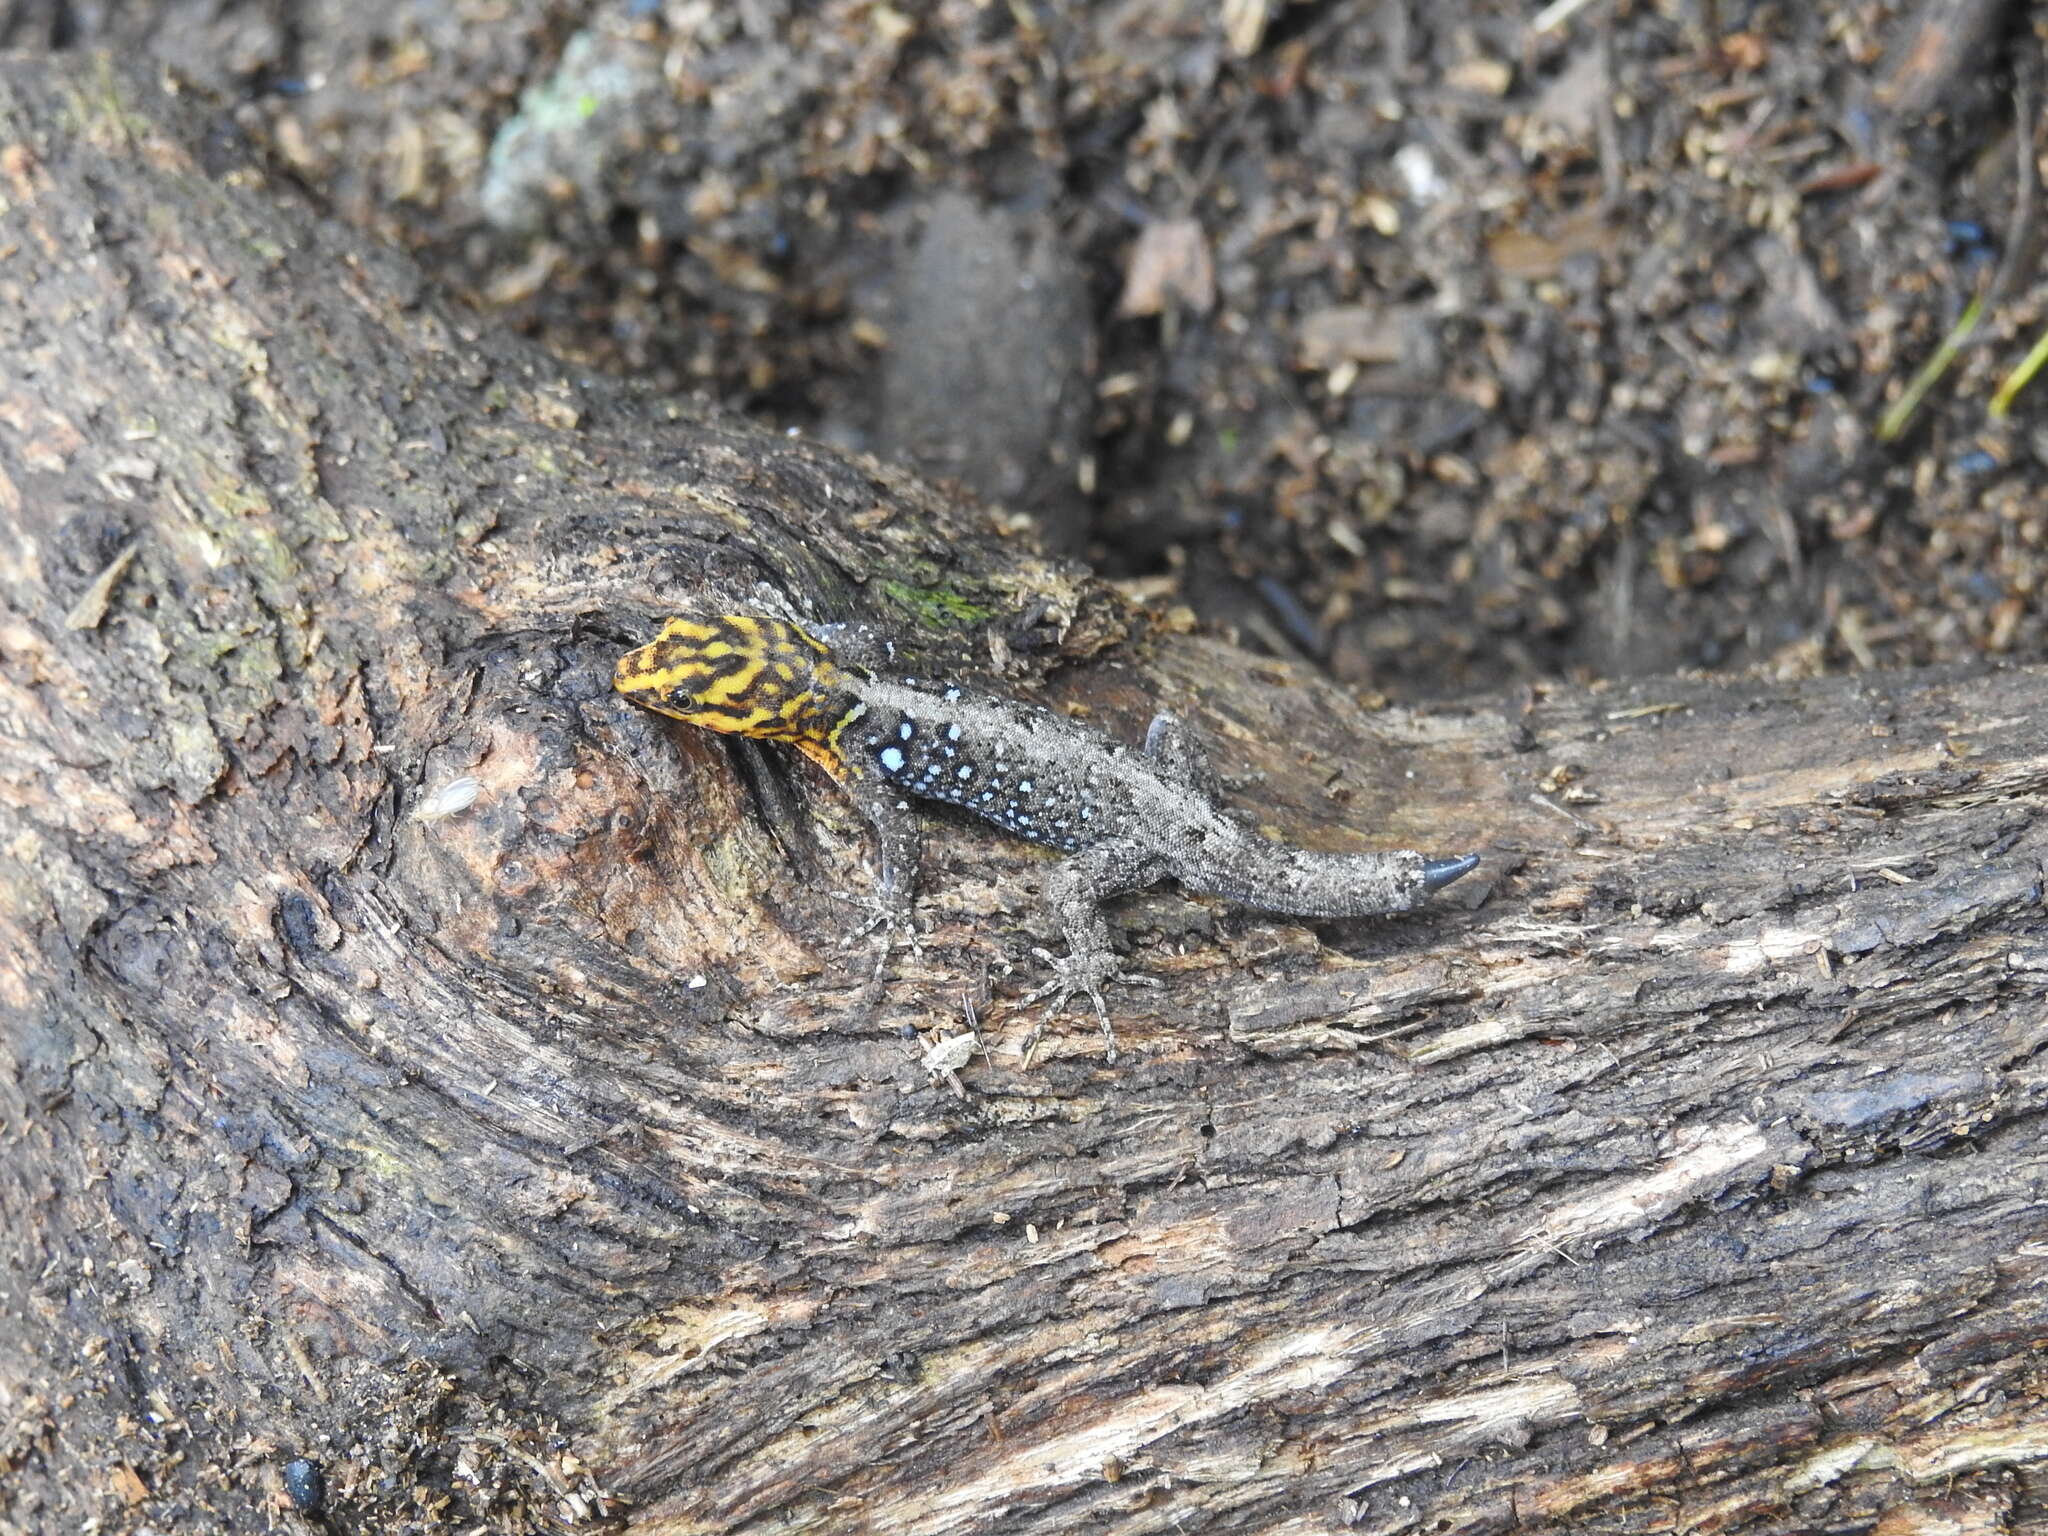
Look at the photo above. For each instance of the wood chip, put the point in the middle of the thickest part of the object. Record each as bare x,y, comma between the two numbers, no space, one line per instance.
1169,263
128,1483
91,606
1348,333
1244,23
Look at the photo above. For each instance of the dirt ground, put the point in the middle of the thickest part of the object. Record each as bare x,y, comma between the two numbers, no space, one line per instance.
1456,346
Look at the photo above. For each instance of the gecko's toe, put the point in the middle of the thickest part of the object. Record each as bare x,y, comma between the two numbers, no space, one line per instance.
1080,975
1438,873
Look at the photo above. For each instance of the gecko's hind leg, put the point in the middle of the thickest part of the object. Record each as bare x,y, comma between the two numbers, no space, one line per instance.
1076,891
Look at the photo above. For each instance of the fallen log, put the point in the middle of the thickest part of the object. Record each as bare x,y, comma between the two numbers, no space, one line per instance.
436,1095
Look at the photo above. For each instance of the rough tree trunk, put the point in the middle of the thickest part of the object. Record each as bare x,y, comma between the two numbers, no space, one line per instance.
532,1168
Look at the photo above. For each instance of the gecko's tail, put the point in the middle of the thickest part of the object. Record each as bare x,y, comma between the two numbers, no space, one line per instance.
1275,878
1438,873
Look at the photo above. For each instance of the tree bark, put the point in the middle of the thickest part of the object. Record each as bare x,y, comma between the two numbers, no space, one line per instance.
529,1165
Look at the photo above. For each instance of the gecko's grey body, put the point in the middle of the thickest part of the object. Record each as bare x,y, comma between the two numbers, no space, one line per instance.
1143,816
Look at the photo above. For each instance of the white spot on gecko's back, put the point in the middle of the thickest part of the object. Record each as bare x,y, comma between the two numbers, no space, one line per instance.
892,760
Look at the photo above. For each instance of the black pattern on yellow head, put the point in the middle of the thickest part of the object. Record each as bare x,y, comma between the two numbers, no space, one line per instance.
746,676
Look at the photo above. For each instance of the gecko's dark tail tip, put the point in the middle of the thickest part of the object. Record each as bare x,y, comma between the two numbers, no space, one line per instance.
1438,873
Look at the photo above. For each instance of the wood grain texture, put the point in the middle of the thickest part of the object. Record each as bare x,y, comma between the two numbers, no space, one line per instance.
1680,1171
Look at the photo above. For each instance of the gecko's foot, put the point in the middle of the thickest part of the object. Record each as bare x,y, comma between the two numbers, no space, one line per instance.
886,924
1082,975
877,912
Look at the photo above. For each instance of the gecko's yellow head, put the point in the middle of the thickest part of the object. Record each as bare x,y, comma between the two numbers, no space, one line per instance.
747,676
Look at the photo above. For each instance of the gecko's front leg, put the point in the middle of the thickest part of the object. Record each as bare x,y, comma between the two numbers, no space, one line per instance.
1076,891
898,848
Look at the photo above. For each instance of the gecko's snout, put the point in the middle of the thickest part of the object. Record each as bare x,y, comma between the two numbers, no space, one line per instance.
1438,873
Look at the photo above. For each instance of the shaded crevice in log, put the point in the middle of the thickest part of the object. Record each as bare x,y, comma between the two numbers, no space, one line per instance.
1683,1170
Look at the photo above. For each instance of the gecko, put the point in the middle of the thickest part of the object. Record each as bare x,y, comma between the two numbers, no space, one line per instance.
1125,818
